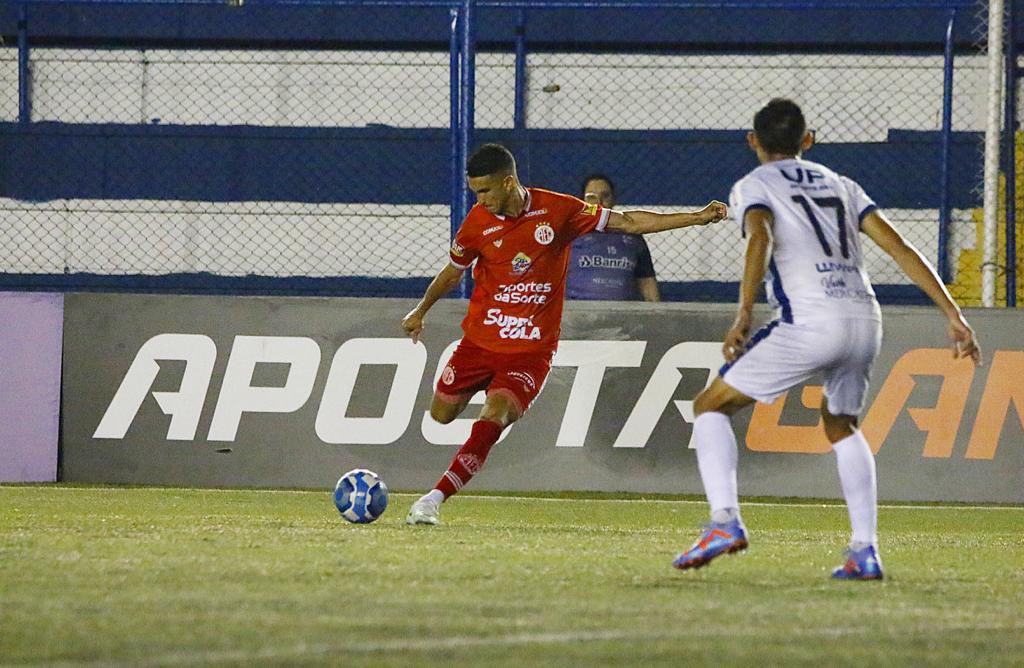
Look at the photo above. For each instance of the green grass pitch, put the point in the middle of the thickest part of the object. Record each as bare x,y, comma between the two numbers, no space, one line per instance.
151,577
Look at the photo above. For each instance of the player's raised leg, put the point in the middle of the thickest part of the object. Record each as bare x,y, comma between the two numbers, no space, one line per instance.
499,411
717,458
856,465
467,372
444,409
514,382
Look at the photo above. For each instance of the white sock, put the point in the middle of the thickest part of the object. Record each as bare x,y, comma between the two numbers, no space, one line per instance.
435,495
716,459
857,478
725,515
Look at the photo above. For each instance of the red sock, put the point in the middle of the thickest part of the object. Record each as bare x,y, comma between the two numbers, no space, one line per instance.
470,458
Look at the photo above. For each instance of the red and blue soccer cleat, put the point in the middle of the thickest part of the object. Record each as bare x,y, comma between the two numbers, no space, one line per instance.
716,540
862,564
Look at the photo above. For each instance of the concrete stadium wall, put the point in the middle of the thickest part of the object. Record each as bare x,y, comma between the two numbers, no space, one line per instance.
867,26
293,392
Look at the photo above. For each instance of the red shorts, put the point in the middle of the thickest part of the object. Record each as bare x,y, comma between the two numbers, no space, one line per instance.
472,368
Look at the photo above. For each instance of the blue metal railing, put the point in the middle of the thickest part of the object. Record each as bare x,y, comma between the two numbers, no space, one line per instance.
519,111
455,102
24,85
565,4
947,137
467,114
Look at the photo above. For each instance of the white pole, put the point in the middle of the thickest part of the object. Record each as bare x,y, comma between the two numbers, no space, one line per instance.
992,128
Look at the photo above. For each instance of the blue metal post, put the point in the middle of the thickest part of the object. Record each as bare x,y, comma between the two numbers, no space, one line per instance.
467,106
468,69
1010,151
24,74
947,137
519,116
455,194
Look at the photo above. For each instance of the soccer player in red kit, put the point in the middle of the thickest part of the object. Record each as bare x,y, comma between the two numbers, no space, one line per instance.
520,240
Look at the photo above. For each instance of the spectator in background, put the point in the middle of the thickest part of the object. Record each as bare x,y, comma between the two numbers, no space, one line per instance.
610,265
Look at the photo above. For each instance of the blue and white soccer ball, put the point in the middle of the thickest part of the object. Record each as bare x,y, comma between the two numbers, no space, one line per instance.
361,496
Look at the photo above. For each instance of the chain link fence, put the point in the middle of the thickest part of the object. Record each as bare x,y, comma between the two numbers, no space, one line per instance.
674,128
233,155
304,167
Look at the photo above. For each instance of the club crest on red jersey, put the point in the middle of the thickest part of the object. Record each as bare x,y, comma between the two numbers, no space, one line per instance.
544,234
521,263
448,375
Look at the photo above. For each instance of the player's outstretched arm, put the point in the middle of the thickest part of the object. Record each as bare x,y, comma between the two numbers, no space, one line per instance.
442,284
638,221
758,223
919,270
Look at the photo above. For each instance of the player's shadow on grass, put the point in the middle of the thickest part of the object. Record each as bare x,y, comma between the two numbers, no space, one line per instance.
722,582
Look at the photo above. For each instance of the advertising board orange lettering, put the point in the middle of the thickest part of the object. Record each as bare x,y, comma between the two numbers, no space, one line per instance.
1005,386
941,422
765,434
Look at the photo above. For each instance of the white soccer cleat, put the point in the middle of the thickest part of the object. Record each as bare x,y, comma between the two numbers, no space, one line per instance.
424,511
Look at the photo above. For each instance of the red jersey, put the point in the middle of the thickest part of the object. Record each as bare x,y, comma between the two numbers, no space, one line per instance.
520,269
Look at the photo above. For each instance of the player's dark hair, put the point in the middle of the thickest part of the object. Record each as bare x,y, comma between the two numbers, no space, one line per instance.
780,126
490,159
596,177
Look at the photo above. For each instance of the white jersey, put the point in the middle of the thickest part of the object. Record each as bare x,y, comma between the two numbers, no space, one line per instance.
816,270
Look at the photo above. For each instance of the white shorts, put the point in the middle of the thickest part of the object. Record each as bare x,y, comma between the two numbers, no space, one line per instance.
781,356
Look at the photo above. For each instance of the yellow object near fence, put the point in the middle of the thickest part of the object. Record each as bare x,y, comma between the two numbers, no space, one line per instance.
967,286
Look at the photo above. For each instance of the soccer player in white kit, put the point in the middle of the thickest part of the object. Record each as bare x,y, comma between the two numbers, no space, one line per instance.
802,220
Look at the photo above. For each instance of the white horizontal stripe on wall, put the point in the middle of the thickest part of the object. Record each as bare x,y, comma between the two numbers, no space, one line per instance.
846,97
120,237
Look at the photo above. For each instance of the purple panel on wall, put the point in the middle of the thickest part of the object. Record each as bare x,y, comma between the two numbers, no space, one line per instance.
31,333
